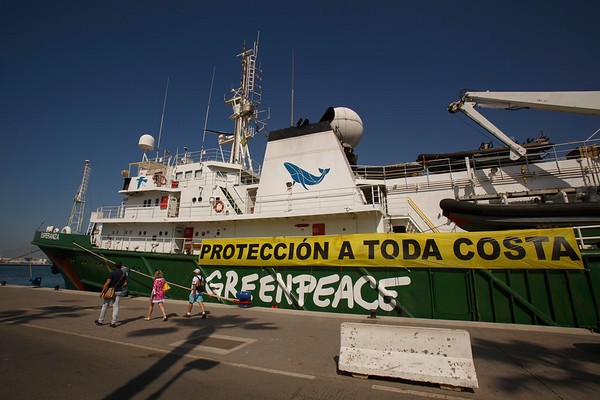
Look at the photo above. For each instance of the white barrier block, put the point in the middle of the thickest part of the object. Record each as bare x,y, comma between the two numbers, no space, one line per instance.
433,355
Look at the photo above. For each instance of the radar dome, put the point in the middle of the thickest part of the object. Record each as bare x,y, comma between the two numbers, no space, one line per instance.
346,124
146,142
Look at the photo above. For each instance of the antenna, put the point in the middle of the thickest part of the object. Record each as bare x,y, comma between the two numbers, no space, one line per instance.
244,102
207,111
292,112
162,117
76,217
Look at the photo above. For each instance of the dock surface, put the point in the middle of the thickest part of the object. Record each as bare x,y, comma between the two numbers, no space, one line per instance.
50,348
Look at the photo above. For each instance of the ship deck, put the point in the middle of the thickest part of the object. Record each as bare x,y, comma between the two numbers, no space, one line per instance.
256,353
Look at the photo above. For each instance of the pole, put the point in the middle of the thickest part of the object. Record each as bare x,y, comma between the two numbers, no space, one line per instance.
162,117
292,111
207,111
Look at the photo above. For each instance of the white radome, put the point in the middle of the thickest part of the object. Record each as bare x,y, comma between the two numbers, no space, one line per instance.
347,124
146,142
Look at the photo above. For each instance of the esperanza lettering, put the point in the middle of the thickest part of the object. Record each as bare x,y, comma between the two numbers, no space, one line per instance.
49,235
463,249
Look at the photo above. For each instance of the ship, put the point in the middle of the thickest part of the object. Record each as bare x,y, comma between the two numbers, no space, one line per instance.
311,229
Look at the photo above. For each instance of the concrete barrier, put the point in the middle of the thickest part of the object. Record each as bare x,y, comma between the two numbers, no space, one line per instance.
433,355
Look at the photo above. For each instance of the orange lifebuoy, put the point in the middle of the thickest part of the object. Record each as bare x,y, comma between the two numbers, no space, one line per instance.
163,180
218,206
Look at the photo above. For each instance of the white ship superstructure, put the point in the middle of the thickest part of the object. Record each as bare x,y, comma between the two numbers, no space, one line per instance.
308,183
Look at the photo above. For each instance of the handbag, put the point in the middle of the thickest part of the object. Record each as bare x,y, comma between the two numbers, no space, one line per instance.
109,294
166,287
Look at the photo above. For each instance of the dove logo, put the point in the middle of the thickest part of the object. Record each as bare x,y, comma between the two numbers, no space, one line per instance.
303,177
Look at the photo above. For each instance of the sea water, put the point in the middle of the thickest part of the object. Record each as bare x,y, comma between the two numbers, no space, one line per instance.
20,274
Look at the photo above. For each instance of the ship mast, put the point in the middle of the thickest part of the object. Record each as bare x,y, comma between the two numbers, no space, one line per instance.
76,217
244,103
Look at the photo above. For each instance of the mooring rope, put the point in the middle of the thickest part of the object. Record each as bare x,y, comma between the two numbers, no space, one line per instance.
130,270
151,277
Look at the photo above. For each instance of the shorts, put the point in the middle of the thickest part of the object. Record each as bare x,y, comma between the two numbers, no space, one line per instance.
195,298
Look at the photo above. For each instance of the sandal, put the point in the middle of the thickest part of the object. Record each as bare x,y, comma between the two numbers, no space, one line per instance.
146,319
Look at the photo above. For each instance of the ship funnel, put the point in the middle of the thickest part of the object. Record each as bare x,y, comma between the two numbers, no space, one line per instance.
346,124
146,142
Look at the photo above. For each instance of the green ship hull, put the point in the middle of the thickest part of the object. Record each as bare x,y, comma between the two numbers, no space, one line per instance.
556,297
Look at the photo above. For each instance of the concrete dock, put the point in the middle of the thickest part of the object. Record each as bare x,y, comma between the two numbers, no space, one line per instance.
51,348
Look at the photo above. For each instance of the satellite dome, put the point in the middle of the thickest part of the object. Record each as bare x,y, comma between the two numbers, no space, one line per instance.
346,124
146,142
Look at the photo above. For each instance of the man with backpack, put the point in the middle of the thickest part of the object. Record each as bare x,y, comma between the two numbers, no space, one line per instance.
196,295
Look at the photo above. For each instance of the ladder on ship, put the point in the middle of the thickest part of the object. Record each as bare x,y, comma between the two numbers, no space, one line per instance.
230,199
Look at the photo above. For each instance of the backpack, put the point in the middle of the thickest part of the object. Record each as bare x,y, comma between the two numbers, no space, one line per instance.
200,285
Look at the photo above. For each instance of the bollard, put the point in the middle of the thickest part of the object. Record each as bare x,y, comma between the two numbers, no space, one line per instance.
36,281
244,299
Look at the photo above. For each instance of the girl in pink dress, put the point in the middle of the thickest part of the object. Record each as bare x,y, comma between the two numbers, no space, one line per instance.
158,295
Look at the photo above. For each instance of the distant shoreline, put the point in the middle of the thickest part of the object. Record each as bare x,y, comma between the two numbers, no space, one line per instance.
24,263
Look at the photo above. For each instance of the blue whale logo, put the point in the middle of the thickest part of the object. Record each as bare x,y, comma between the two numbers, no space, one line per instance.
140,180
303,177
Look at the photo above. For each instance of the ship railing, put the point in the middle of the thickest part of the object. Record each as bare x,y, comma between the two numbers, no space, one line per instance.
219,155
142,243
129,212
191,157
586,151
347,199
588,237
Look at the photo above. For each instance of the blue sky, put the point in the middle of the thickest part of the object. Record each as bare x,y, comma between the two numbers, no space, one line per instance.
83,80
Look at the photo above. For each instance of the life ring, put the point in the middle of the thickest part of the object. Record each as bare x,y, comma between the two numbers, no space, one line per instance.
163,180
218,206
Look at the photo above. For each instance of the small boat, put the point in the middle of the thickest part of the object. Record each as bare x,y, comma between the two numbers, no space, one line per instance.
492,217
485,156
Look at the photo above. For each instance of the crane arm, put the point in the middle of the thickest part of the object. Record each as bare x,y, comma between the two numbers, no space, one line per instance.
571,102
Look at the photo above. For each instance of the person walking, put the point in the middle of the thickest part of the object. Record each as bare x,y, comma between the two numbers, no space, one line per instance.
158,295
116,279
196,295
